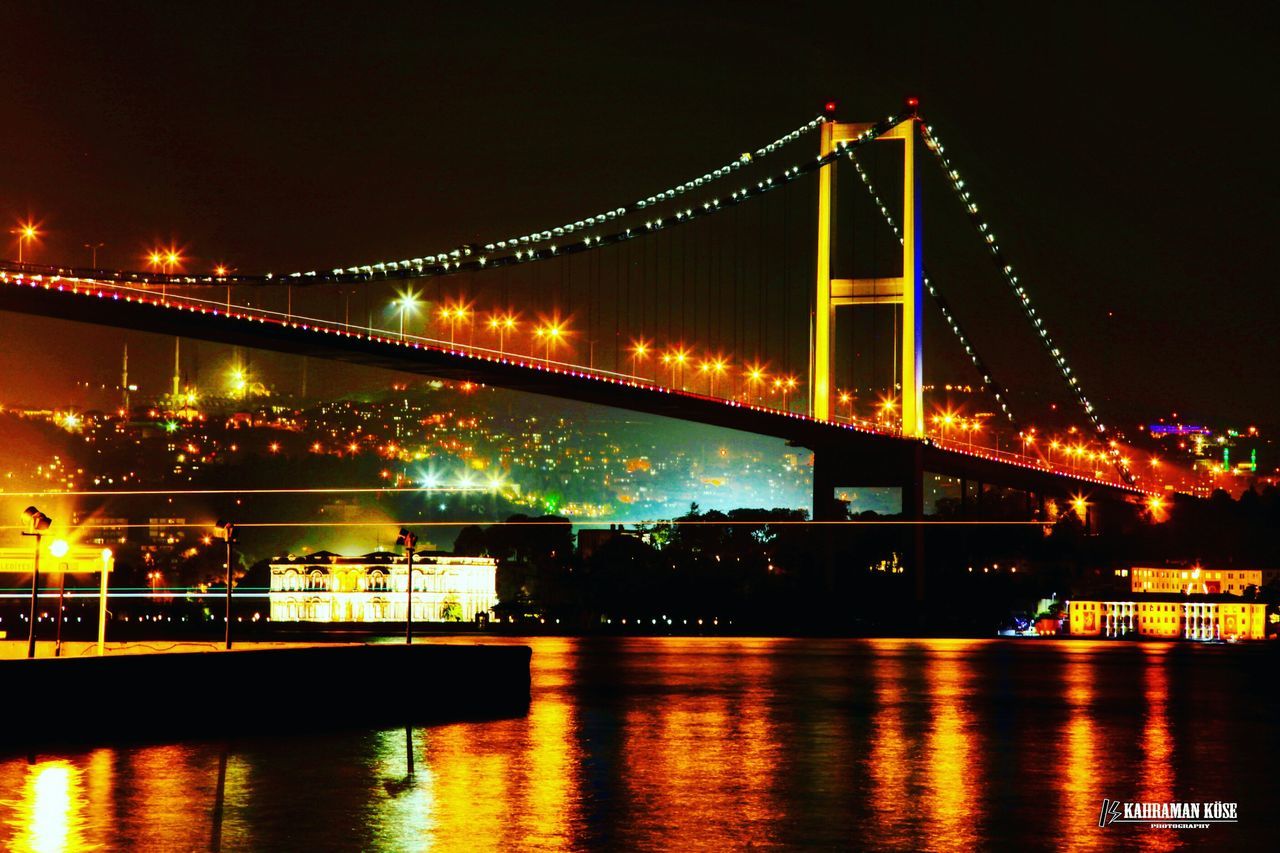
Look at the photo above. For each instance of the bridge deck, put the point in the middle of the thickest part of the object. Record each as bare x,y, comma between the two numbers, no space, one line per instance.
881,455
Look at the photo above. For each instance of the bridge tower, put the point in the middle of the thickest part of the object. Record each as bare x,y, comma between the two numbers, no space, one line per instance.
905,290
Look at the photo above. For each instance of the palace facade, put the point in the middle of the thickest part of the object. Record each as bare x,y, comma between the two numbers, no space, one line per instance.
1191,617
326,587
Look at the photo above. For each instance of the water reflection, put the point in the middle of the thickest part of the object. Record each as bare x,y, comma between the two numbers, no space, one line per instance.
1157,743
953,767
891,757
666,743
1079,789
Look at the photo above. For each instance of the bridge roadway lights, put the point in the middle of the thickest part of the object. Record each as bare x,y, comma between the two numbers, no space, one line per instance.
869,448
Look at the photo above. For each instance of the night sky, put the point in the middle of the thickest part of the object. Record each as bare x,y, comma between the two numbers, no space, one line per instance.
1123,155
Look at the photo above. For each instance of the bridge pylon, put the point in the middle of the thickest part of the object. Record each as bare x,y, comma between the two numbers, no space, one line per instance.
905,290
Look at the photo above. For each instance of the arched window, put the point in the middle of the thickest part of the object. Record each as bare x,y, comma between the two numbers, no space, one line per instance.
315,580
377,580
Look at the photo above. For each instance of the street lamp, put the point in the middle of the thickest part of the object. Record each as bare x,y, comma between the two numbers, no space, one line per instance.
639,352
676,358
785,385
713,367
847,399
58,548
755,377
406,302
26,233
35,522
408,540
226,531
552,332
93,252
502,323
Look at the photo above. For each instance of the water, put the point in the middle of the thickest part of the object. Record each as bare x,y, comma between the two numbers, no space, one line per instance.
665,743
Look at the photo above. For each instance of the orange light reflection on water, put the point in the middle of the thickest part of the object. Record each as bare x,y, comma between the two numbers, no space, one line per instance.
891,757
1157,744
1082,766
953,796
707,759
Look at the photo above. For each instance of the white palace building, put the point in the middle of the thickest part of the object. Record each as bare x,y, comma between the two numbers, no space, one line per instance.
326,587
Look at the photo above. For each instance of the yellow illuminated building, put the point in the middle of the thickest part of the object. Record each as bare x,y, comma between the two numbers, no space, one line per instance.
1195,579
325,587
1193,617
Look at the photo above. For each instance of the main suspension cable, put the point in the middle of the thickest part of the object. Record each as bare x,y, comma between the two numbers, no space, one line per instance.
1006,270
994,388
471,258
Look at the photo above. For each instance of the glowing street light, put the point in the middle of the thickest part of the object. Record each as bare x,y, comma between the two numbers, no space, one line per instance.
58,548
26,233
640,349
454,313
947,419
785,385
887,407
756,377
846,399
973,427
713,367
676,358
502,324
406,302
552,333
1028,440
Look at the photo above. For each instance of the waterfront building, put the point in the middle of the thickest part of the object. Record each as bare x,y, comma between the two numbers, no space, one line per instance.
1191,617
1195,579
326,587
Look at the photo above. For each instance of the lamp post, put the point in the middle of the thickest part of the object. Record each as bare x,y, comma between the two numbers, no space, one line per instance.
225,530
93,251
639,351
58,548
409,540
36,523
407,302
26,234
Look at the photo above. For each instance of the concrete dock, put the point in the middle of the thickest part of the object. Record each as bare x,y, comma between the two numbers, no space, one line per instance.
258,690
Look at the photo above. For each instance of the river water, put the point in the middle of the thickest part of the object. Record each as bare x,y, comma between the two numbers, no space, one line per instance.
679,743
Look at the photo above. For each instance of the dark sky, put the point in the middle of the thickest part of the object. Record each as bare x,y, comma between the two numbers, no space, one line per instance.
1124,154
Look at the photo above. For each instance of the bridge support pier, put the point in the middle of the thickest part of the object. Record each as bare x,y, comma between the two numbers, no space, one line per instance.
832,469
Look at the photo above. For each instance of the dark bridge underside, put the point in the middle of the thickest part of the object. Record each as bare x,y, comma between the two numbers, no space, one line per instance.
850,457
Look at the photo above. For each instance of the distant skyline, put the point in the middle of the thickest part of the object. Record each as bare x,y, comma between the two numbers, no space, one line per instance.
309,136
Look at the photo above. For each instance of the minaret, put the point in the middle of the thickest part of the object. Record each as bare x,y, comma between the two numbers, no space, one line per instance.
177,367
124,382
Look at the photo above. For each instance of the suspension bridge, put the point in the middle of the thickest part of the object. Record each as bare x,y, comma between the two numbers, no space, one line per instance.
736,298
